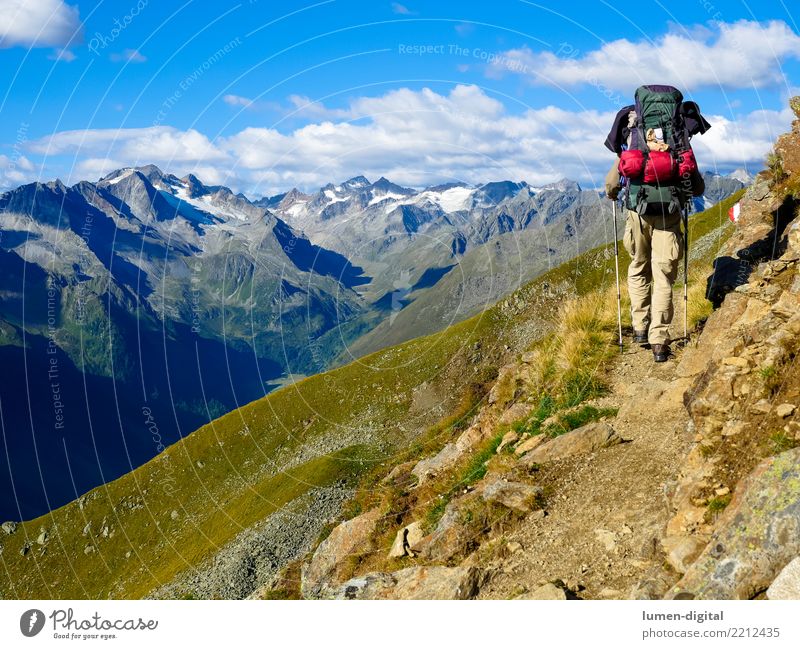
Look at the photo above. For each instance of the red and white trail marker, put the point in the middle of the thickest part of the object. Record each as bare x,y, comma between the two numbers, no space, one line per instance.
733,212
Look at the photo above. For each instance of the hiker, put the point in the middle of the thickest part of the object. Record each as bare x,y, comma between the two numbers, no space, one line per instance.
657,173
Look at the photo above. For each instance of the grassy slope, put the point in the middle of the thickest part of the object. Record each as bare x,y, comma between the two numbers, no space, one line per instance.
176,510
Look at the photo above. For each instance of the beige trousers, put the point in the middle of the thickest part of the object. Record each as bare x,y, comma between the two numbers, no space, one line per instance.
655,245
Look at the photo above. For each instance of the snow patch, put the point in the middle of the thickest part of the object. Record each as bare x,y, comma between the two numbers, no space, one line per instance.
205,204
384,197
295,209
123,174
451,200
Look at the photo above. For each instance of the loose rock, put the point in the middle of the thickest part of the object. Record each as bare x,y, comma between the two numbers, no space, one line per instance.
787,583
588,438
548,591
520,497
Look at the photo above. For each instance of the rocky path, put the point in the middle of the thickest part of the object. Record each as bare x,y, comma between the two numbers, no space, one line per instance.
586,540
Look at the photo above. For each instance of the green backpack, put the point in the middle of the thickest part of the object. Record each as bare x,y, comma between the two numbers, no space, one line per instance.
664,183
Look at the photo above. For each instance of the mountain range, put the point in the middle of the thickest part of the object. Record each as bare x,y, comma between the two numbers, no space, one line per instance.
136,308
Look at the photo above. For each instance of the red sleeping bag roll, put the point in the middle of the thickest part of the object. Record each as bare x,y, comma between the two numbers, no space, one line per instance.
631,163
660,168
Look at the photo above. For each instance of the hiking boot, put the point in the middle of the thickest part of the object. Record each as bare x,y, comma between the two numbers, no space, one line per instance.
640,337
660,353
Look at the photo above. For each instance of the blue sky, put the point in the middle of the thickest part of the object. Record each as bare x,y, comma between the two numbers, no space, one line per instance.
264,96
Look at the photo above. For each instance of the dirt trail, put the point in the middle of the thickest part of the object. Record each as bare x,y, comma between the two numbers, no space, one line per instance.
606,511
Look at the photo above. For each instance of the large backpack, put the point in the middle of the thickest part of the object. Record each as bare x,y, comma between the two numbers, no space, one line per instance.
661,172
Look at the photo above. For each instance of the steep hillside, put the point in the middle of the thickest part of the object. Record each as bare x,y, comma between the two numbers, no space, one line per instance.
143,293
202,517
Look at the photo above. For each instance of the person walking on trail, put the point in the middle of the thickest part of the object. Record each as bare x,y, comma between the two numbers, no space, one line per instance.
655,176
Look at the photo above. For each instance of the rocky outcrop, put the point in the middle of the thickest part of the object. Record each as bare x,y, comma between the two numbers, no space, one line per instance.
450,454
757,535
736,521
345,541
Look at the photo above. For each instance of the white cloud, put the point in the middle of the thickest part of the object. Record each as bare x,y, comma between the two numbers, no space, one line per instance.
95,152
63,55
237,100
129,56
38,23
741,142
302,106
401,9
413,137
15,171
744,54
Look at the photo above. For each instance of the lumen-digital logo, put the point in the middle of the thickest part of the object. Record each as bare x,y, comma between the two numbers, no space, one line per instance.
31,622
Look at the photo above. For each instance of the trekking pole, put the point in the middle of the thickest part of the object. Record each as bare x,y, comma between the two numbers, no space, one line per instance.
686,272
616,272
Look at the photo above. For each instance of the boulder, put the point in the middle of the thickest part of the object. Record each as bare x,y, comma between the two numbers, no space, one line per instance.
406,539
347,539
9,527
399,474
787,583
529,444
419,582
586,439
518,496
755,537
548,591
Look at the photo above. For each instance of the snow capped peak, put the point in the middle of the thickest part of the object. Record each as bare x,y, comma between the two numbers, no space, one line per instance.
742,176
153,174
356,182
563,185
